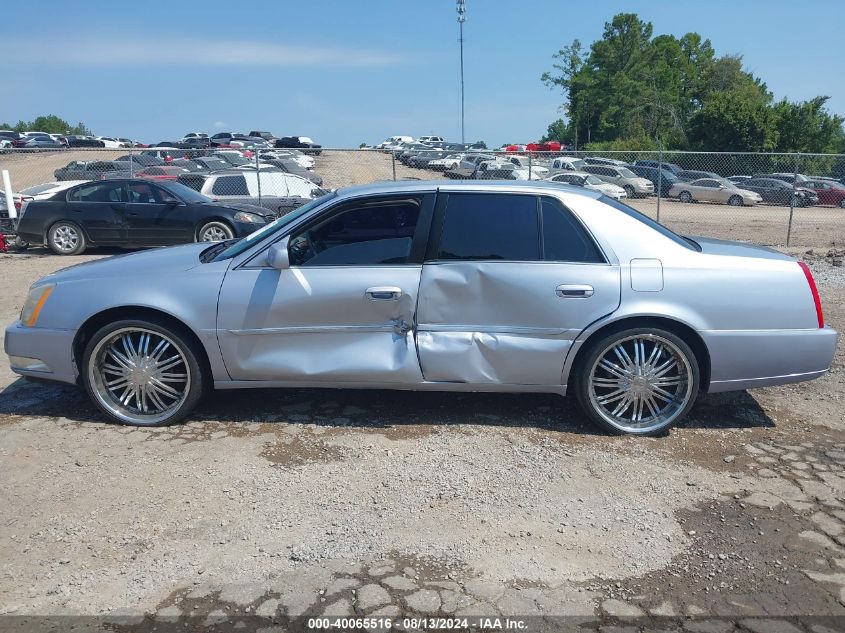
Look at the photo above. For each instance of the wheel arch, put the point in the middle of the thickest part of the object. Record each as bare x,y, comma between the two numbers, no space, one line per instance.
679,328
109,315
49,224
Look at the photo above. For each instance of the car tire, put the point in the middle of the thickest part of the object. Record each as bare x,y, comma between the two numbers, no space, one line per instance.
735,201
629,191
143,372
66,238
617,371
215,231
685,196
842,203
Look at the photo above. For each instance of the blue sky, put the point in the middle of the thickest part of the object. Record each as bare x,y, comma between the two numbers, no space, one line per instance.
346,72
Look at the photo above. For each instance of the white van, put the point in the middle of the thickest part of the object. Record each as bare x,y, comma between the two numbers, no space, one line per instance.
430,139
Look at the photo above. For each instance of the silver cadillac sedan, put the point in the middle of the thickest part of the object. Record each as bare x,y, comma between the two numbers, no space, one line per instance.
455,286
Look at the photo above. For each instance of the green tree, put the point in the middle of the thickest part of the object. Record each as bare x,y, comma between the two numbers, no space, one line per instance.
49,123
731,122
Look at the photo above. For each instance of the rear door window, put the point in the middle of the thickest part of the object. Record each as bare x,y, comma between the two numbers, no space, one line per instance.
490,227
100,192
234,185
564,239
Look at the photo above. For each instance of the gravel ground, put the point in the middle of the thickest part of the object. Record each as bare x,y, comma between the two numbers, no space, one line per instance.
273,505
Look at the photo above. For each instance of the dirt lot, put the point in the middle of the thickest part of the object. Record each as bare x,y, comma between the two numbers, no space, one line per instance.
269,506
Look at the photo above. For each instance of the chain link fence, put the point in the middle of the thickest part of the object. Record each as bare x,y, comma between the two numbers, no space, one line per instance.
769,199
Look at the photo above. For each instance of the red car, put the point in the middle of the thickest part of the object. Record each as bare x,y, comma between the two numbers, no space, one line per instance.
829,191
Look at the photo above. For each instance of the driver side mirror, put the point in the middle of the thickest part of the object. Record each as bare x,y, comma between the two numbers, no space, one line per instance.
277,255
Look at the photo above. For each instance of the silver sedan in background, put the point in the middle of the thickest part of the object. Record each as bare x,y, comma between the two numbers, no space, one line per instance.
457,286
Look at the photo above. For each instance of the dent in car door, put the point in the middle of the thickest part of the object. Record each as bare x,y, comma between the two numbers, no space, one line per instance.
490,311
343,311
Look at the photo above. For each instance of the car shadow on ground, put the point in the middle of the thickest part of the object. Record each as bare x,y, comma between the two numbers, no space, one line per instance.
377,409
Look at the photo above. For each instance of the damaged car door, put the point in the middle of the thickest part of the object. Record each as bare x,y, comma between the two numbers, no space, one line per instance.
509,281
341,307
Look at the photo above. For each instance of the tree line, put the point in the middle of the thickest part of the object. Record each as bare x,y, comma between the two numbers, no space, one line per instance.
51,124
635,91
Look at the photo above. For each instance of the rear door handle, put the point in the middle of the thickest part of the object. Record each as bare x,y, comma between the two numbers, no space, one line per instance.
574,291
383,293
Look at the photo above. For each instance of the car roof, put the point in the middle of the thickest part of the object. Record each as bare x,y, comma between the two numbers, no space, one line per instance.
475,186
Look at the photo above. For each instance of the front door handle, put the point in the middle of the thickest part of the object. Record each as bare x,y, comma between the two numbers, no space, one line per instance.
574,291
383,293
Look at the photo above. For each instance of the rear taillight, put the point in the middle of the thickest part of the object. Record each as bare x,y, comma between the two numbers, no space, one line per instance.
814,291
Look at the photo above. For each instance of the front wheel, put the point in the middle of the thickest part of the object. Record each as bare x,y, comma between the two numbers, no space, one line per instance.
735,201
629,191
638,381
142,372
842,203
66,238
215,232
685,196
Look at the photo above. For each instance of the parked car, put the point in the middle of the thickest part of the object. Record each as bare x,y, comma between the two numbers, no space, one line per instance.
714,190
133,212
393,140
267,136
828,191
601,160
608,306
222,138
109,142
450,161
566,163
634,185
422,159
306,162
663,178
534,167
37,141
278,191
90,170
304,143
141,160
428,140
774,191
74,140
9,135
789,177
688,175
657,164
588,181
192,135
161,172
292,167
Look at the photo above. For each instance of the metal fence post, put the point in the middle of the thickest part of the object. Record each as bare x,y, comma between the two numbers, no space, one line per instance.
258,175
659,180
792,199
393,161
530,163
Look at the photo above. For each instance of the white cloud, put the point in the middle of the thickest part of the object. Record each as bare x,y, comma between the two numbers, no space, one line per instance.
136,52
219,125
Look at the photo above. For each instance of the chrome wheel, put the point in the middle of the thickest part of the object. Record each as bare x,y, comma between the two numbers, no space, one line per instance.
141,376
685,196
640,383
66,238
735,201
215,233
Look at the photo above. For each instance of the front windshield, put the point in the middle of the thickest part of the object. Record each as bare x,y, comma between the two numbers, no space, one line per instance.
183,192
578,164
592,180
253,238
626,173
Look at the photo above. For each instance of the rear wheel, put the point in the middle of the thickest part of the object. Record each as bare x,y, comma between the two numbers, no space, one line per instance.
685,196
639,381
842,203
142,372
215,232
66,238
735,201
